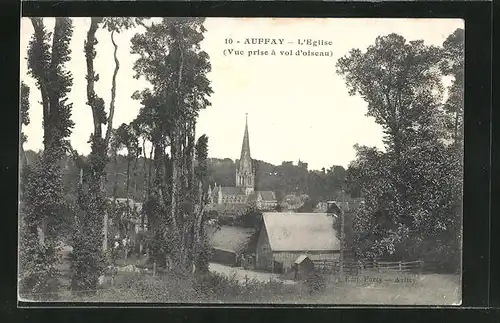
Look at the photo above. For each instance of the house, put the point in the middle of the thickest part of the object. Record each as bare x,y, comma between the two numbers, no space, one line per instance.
294,202
264,200
229,210
230,243
286,236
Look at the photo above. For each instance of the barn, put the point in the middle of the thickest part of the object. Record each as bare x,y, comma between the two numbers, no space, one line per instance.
284,237
230,243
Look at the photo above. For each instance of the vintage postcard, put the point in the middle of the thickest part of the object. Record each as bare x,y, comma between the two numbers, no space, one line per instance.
241,160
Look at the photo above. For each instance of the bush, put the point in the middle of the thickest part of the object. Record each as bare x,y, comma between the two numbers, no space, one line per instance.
173,287
39,274
315,283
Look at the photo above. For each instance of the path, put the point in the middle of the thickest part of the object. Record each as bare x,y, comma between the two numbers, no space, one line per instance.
242,274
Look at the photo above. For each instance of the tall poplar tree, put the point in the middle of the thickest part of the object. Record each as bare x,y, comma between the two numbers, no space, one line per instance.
172,61
91,235
43,193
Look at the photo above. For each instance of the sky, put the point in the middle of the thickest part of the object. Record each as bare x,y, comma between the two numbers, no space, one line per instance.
298,107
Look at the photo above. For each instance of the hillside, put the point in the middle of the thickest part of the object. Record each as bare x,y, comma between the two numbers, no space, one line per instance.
283,179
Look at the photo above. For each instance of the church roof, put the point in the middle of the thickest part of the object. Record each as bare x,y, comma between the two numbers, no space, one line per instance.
228,208
252,197
231,190
267,195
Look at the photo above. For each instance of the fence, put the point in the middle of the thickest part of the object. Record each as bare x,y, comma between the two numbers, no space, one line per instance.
354,267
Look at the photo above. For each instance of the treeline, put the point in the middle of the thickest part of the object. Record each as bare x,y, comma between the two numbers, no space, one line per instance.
287,178
284,179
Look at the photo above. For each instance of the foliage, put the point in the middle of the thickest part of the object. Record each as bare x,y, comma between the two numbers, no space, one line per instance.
25,106
308,206
171,60
88,260
43,194
208,287
283,179
412,190
315,282
251,217
39,216
87,257
46,65
220,171
401,83
453,65
38,273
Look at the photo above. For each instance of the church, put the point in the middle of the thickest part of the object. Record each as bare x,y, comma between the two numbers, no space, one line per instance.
243,194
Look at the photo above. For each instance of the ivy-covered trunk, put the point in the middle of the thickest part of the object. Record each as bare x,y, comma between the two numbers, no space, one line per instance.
88,260
179,90
43,192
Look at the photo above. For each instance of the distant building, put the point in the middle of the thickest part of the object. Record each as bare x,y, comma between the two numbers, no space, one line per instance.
292,202
347,205
223,199
284,237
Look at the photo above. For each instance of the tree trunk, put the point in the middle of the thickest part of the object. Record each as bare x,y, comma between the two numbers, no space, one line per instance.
128,178
105,231
91,76
115,182
150,165
456,128
198,226
134,176
113,92
175,205
144,170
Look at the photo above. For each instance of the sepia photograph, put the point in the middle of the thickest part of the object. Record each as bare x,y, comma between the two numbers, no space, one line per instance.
241,160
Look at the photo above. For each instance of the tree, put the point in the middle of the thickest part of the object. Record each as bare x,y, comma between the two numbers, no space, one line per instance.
114,25
453,65
88,257
412,190
127,137
171,60
25,118
308,206
201,245
43,193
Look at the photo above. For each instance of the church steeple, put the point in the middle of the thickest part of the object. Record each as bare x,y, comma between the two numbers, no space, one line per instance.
245,147
245,176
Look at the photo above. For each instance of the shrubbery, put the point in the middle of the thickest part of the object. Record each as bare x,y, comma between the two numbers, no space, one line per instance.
315,283
187,288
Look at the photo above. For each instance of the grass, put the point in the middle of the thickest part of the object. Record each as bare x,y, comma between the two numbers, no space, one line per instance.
430,289
426,289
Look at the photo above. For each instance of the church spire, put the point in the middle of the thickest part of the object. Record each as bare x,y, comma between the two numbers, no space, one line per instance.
245,147
245,176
